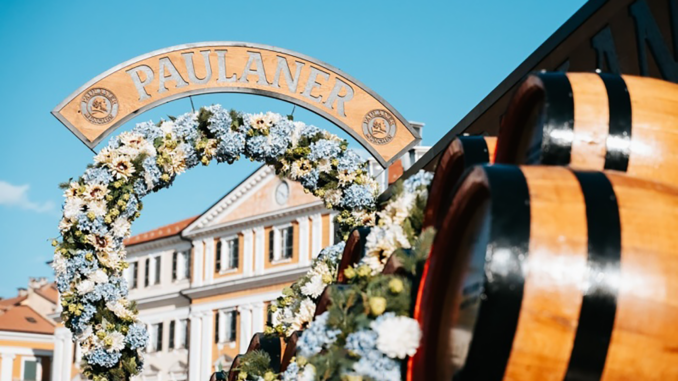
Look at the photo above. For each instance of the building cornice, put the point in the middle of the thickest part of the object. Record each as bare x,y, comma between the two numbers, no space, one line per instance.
157,244
169,298
245,283
27,337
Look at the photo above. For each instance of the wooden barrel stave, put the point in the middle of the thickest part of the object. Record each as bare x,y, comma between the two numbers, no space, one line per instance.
544,331
354,251
463,152
269,344
593,122
290,350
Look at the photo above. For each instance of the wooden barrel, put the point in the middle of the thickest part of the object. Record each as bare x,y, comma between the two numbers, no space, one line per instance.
219,376
233,371
290,350
325,300
269,344
594,121
354,251
545,273
463,152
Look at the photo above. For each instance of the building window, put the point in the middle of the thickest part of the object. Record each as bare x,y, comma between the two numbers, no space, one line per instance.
287,242
226,325
181,265
156,337
172,327
227,254
147,273
281,243
132,275
30,369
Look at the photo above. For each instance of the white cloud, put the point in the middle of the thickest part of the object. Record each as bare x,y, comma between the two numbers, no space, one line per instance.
17,195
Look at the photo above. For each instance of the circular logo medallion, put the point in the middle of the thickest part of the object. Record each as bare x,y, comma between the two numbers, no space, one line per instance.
99,106
379,126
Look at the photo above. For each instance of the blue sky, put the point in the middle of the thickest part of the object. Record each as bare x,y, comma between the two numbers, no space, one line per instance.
433,61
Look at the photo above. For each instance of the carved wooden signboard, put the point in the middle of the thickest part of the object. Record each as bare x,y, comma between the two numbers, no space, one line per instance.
109,100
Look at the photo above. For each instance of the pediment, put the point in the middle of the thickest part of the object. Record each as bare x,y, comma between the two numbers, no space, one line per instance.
254,196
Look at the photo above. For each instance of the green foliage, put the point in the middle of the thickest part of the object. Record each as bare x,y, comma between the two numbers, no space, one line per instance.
255,364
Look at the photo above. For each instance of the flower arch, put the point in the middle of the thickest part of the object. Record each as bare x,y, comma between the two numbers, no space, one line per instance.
101,205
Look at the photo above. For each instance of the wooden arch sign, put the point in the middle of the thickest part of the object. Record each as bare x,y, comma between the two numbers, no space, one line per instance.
106,102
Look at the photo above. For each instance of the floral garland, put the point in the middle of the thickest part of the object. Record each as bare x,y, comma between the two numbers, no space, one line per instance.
354,340
101,205
296,307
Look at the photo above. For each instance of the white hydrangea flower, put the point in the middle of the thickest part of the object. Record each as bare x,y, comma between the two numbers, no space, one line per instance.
314,287
114,341
308,374
73,207
305,314
97,207
167,127
121,227
98,277
85,287
397,210
119,309
110,259
59,264
333,196
402,344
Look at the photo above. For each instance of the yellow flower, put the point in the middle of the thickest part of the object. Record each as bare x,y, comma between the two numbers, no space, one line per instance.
269,376
364,270
395,285
349,273
377,305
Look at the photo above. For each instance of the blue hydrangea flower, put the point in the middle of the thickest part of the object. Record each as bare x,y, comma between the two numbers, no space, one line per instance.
219,123
137,336
131,208
362,342
358,197
291,372
140,188
63,282
332,253
310,131
149,130
79,264
262,148
102,357
324,149
317,336
80,323
186,126
191,155
310,180
420,179
98,175
151,171
230,147
378,367
96,226
350,161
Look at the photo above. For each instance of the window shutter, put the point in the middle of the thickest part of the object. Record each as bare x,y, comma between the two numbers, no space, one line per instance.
135,274
171,333
271,245
159,338
216,327
174,265
233,325
217,255
288,245
147,273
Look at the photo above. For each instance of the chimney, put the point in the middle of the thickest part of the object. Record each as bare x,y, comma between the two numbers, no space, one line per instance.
22,291
395,171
